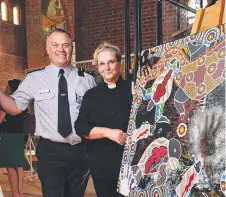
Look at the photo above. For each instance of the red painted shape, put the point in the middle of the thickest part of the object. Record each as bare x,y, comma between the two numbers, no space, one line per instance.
143,133
191,178
155,158
161,88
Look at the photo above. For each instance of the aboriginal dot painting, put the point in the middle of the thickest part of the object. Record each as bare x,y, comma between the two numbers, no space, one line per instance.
176,132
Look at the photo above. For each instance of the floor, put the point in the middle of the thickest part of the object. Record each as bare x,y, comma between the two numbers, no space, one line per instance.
9,194
90,192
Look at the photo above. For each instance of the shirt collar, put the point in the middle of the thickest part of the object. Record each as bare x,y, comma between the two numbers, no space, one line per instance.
55,70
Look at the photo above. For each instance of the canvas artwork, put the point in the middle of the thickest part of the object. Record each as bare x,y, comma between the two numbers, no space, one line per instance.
52,16
176,132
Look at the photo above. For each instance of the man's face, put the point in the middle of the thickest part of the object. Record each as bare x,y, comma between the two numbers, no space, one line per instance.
108,66
59,49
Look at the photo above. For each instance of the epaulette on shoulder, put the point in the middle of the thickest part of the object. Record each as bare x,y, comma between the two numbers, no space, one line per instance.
81,72
34,70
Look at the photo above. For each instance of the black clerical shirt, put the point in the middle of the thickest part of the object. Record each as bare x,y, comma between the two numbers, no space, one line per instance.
105,107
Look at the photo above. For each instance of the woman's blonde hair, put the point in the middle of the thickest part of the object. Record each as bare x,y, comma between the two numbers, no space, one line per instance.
108,47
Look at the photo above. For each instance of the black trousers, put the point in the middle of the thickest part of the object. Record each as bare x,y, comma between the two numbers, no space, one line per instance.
106,188
62,169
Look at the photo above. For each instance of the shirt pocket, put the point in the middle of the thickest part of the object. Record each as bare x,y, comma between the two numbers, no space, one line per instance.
44,96
45,100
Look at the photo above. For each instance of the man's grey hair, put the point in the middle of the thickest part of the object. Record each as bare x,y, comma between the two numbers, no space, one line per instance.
60,30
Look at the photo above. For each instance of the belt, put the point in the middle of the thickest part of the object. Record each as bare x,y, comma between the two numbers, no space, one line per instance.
52,142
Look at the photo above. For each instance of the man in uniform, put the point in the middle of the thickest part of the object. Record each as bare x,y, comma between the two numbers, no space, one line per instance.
57,91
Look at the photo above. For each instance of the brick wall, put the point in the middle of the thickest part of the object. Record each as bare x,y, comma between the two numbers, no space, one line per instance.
98,20
169,20
12,67
12,47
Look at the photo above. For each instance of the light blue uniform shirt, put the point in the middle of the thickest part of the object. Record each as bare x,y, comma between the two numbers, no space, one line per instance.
42,87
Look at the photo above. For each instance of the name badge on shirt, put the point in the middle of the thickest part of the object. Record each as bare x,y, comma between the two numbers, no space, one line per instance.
79,99
44,91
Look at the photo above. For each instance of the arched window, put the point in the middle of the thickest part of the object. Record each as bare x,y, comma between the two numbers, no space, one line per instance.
16,15
4,11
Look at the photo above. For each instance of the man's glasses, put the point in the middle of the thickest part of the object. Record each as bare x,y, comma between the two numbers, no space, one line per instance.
109,63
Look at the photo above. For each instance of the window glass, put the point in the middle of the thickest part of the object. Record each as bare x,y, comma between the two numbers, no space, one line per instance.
4,11
16,15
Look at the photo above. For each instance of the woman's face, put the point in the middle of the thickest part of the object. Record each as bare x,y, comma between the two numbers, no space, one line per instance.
108,66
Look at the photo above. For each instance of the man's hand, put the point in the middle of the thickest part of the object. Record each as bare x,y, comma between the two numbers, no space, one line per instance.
116,135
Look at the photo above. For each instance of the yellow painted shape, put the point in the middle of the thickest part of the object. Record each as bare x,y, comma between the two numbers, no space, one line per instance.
211,83
191,90
189,68
211,59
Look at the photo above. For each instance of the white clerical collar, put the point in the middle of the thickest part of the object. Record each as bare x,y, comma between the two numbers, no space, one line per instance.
112,85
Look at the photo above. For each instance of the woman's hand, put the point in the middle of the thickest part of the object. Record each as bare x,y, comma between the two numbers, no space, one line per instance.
116,135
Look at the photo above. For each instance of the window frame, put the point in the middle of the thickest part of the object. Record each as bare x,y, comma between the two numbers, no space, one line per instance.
18,14
6,11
